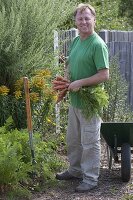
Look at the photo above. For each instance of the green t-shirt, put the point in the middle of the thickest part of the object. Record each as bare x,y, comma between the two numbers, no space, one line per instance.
86,57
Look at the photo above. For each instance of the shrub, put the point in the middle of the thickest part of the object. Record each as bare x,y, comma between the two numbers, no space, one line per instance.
16,168
117,87
27,44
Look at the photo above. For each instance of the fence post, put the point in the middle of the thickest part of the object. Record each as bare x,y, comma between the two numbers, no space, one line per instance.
57,106
66,35
104,34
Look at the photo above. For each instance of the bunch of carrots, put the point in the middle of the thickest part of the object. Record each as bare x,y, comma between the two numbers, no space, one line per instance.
60,84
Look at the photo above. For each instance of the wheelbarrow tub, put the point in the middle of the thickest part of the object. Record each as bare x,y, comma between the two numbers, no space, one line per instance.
119,135
120,131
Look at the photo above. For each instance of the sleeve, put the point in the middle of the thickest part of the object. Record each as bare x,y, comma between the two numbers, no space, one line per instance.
101,56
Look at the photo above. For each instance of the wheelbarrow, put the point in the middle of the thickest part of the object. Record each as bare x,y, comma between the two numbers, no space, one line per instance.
119,139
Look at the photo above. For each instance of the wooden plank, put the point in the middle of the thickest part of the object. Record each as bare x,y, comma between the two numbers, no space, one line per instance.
131,76
125,64
130,36
115,36
116,48
112,36
66,36
104,34
125,36
111,49
124,59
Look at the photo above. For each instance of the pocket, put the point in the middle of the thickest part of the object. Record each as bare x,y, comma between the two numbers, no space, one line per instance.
91,132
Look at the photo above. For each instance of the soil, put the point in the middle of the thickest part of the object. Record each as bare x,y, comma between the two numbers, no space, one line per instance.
110,186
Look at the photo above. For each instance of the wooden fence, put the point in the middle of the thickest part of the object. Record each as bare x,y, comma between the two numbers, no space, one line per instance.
120,43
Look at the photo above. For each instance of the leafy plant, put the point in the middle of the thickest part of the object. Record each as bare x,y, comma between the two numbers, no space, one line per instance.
16,167
12,168
41,94
26,36
125,9
93,100
127,197
26,44
117,88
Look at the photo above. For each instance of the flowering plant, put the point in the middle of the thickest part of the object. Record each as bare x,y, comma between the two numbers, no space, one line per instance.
41,96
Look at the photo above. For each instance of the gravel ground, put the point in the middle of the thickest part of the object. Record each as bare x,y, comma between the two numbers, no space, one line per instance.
110,186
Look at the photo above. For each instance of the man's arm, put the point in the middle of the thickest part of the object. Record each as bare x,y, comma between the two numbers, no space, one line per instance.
100,77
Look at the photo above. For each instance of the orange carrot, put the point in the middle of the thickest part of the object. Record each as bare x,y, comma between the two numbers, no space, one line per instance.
61,78
61,95
58,82
60,87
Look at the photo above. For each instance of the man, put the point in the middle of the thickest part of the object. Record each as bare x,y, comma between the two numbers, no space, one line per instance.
88,66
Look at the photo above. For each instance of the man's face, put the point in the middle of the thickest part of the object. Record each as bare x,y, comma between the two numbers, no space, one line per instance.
85,22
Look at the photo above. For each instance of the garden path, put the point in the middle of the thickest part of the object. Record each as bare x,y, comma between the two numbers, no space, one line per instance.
110,186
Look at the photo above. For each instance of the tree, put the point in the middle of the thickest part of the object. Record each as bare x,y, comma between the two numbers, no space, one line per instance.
126,9
107,18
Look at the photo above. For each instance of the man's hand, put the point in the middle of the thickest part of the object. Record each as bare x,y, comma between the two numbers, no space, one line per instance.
75,85
60,83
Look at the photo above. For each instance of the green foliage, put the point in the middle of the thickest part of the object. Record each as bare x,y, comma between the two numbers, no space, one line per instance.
26,35
47,160
118,109
26,44
12,167
16,167
10,106
18,112
93,100
41,112
128,197
5,108
125,9
19,193
64,106
108,18
41,95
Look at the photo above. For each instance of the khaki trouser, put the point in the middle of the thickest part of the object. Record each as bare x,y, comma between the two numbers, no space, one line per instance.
83,143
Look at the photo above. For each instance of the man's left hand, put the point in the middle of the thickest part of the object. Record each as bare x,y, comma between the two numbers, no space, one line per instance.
74,86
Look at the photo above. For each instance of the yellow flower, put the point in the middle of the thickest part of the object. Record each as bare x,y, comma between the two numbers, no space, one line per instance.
34,96
44,73
19,84
49,93
48,120
55,97
18,94
38,82
4,90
